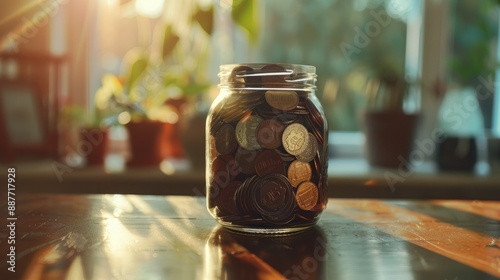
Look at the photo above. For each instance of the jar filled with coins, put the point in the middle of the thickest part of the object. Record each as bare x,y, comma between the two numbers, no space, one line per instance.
267,149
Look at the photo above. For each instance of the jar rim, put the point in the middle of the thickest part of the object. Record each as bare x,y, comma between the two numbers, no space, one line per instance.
298,68
279,76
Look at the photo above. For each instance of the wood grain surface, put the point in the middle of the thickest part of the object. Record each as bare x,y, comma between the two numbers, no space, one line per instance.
174,237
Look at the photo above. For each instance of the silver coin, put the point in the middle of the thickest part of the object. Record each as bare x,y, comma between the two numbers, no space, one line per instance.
295,138
246,132
310,152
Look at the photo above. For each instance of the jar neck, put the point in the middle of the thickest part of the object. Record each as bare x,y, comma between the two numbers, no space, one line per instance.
276,77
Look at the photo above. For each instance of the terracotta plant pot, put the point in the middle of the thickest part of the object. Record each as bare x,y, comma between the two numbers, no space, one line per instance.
389,137
95,141
147,142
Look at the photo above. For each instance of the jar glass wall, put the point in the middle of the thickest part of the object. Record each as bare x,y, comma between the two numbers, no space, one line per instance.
266,149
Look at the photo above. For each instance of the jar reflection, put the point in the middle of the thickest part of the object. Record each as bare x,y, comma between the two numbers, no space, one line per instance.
231,255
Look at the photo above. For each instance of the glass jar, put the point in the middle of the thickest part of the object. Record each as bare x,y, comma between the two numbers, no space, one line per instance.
266,149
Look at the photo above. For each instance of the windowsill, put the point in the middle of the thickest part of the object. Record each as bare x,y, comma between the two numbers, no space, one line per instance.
348,177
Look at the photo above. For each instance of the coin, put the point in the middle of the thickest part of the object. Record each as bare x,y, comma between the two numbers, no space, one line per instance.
269,162
225,199
225,139
274,199
282,100
285,157
269,133
220,172
244,76
236,78
271,195
299,172
274,76
244,197
310,152
295,139
245,132
307,195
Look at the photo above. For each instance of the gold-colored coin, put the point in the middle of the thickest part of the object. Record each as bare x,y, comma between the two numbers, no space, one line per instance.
307,195
299,172
295,138
282,100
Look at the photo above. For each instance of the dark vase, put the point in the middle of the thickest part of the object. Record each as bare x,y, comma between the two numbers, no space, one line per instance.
457,153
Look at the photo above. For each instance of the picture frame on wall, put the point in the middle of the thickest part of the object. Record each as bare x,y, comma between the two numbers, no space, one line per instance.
21,124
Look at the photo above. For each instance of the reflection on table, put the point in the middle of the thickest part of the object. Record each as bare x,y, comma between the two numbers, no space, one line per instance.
174,237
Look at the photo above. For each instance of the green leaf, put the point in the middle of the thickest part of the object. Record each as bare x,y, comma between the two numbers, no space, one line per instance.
136,70
170,40
205,19
244,14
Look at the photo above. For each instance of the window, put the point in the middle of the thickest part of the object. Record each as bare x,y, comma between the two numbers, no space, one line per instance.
348,41
474,29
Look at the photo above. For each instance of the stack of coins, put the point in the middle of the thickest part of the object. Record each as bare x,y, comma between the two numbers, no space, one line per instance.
267,150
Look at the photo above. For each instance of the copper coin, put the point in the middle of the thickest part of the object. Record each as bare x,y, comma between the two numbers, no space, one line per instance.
284,100
220,172
275,200
225,139
271,194
268,162
269,133
299,172
295,139
307,195
225,199
246,132
311,149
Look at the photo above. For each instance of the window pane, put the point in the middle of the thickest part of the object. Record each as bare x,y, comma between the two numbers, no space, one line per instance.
348,41
473,50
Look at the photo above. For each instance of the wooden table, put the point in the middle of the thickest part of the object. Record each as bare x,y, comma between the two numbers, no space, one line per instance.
174,237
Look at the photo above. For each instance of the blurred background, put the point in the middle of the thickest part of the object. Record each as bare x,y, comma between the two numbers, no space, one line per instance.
112,95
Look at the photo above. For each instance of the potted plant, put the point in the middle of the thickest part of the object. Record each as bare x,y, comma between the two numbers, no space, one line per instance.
389,126
169,75
144,112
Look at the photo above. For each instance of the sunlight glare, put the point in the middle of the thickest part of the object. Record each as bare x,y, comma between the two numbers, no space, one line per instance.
124,118
149,8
